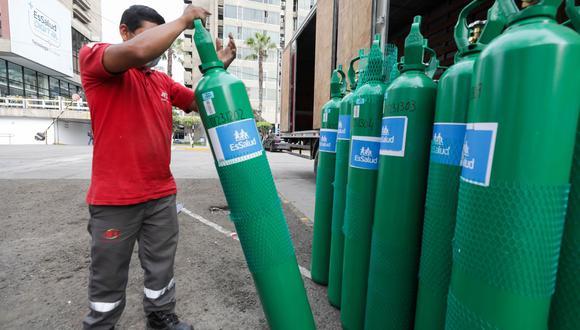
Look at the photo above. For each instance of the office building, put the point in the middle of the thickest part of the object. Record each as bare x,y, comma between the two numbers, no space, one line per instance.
243,18
39,45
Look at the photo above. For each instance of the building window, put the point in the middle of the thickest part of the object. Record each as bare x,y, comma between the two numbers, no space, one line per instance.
54,87
43,90
270,2
78,40
3,78
253,15
243,33
231,11
30,83
304,4
64,89
220,11
15,80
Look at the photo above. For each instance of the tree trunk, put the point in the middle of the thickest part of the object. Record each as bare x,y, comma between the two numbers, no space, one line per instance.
260,80
170,62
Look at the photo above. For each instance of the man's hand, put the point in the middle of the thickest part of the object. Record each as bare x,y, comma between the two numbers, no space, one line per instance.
228,54
191,13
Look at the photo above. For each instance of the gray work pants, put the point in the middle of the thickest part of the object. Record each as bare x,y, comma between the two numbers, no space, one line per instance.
114,230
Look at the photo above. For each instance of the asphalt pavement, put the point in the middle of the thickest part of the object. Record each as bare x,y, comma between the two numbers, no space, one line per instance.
294,176
44,243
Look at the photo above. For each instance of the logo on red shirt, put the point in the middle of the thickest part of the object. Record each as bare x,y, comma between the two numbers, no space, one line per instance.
164,96
111,234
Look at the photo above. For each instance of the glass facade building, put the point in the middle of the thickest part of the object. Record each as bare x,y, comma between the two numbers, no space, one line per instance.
16,80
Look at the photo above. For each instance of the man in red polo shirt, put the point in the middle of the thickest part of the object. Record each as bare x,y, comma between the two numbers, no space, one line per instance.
132,192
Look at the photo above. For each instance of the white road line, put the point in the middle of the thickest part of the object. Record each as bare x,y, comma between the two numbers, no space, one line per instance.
213,225
305,272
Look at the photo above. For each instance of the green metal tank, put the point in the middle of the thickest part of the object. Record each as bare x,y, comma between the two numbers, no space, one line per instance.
360,195
453,92
339,193
249,188
324,179
409,105
516,164
565,308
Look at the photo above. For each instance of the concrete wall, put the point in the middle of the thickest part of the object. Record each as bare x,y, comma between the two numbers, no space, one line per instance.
72,133
21,130
92,30
42,113
4,20
18,130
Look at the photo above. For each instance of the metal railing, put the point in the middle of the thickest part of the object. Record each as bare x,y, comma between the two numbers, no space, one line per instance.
7,135
43,104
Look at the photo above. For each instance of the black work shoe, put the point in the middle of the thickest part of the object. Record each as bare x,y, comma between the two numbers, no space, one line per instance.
165,321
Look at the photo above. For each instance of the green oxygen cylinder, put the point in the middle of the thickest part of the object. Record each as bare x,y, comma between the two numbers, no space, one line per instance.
453,93
516,161
249,188
573,13
324,178
407,122
360,195
339,192
565,308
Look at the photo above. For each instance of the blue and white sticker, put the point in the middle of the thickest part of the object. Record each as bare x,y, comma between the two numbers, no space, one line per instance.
327,142
207,98
356,107
364,152
477,153
447,143
343,127
394,136
356,111
235,142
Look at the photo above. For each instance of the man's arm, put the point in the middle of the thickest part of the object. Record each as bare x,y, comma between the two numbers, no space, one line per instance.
193,106
226,55
150,44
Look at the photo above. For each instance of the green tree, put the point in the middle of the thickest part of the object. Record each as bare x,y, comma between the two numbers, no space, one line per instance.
264,128
260,44
189,124
175,52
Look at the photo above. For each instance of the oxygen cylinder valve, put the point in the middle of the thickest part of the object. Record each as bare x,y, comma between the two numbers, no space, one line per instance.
205,48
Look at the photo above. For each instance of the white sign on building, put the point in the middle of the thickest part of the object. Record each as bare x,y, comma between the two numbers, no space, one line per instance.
40,30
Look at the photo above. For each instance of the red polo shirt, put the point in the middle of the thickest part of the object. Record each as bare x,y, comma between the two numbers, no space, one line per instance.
131,120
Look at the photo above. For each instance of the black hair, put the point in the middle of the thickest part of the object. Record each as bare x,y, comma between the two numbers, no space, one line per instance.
135,15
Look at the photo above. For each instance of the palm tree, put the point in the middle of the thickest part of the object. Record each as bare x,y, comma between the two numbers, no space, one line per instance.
175,52
260,44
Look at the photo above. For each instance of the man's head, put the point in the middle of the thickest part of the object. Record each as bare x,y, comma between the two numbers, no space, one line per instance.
137,19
